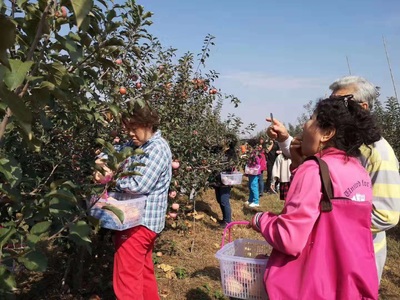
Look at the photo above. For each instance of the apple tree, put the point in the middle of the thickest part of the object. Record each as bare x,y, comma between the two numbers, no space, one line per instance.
67,69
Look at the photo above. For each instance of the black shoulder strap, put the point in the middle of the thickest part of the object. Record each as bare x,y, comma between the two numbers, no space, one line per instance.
327,189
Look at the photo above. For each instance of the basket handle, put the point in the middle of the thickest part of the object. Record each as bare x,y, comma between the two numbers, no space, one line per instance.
228,229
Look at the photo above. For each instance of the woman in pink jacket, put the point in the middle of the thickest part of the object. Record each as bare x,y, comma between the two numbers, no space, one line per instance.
320,254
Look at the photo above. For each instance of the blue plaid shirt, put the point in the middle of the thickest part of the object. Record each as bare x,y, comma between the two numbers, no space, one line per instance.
154,182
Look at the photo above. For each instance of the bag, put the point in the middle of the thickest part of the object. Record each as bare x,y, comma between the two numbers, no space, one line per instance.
338,244
252,170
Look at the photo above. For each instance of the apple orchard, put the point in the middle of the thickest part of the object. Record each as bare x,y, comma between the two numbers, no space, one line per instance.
67,70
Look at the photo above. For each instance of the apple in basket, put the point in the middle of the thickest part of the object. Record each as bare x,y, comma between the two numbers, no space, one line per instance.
232,286
132,212
242,273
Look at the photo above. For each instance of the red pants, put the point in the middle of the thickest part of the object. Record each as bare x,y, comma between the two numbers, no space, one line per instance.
133,277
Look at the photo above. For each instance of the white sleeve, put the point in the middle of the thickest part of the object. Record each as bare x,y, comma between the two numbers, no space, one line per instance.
285,146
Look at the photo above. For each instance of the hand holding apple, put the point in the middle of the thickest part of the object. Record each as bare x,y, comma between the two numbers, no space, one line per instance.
107,175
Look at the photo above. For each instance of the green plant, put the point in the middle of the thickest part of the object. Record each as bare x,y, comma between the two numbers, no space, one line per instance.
181,273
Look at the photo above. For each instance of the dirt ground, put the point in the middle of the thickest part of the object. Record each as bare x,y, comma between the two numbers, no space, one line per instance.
186,267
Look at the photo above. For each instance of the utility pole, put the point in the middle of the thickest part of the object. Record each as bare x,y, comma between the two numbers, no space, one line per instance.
348,65
390,68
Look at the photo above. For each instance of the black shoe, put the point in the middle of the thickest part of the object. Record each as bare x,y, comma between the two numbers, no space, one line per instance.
222,224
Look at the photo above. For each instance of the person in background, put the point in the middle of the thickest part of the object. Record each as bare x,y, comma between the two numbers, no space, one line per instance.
133,276
263,167
243,148
223,192
378,159
281,173
252,170
271,156
304,235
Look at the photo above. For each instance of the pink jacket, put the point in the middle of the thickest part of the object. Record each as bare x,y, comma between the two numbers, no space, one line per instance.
254,162
289,232
263,162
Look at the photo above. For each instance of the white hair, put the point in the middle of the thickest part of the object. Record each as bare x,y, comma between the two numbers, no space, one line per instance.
365,91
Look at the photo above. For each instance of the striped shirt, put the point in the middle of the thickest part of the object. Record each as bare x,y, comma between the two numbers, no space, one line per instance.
154,181
383,167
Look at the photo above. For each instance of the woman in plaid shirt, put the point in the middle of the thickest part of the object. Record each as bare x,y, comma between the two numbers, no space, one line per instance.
134,276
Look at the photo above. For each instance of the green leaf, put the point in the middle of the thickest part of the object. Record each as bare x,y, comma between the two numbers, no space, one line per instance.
40,228
114,109
21,3
113,42
5,235
119,213
7,280
17,75
139,152
11,169
59,75
7,32
137,51
62,194
79,233
111,15
16,104
107,145
81,9
74,50
4,58
63,183
32,240
34,261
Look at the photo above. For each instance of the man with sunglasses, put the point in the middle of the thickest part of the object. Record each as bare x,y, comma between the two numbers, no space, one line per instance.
378,159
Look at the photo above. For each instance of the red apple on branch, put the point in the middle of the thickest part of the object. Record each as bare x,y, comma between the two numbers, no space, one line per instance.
122,90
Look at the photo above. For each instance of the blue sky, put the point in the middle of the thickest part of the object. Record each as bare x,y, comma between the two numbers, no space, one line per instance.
275,56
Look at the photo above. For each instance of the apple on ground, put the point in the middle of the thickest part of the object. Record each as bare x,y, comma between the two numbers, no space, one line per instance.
173,215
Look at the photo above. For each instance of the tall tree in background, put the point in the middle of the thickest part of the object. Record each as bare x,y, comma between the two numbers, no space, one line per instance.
388,116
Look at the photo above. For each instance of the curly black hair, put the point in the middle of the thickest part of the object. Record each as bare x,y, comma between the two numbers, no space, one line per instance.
354,125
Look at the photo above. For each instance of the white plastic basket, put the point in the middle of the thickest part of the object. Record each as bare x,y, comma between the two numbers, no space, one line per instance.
131,205
242,274
231,178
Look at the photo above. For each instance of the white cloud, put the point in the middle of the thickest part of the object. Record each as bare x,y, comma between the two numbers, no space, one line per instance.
265,81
